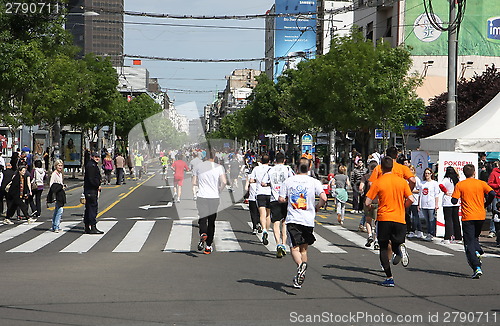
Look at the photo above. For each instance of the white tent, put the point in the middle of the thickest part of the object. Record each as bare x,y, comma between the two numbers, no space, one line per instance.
477,134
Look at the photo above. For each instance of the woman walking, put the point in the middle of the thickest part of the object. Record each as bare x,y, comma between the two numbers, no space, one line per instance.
429,202
108,166
341,184
57,194
37,177
19,191
452,230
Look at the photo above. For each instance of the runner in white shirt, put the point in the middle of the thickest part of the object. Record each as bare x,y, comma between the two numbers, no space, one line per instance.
263,195
275,178
300,193
210,179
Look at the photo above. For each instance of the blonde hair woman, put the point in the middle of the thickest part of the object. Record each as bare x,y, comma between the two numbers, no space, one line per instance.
341,184
57,194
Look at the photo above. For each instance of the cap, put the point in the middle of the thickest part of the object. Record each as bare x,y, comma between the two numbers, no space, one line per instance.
95,154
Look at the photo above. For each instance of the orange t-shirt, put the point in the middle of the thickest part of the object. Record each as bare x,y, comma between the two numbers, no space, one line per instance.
392,192
471,191
397,169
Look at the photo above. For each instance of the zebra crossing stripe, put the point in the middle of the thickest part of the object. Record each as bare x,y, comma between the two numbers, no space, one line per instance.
180,237
86,241
350,236
325,246
43,239
425,250
136,237
224,238
452,246
18,230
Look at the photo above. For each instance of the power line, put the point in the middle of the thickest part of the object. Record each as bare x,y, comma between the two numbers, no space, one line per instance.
207,60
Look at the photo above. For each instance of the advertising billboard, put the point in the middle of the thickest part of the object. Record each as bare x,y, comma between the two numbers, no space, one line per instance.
295,36
72,149
479,32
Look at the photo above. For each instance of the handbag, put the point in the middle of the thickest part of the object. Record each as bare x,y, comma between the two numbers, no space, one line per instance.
82,199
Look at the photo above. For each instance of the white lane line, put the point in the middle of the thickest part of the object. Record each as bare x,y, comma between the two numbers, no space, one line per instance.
272,243
43,239
180,236
224,238
86,241
326,247
425,250
136,237
452,246
350,236
18,230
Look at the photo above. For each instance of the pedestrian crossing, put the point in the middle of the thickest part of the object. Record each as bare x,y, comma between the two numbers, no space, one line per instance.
183,238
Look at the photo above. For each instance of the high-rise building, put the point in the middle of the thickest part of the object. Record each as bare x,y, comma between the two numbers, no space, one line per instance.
97,27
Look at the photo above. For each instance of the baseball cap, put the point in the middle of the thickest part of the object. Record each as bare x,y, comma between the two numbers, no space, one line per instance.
95,154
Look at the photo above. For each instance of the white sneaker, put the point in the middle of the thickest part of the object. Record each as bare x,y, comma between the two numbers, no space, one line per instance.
428,237
31,220
7,221
411,235
419,235
445,241
353,211
491,234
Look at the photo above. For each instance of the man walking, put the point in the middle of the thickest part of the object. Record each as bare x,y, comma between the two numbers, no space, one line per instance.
394,196
472,193
91,189
210,178
299,192
275,178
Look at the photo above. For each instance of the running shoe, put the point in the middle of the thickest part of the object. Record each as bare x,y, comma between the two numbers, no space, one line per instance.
264,239
411,235
389,282
201,244
479,256
369,241
396,259
279,252
478,273
405,259
491,234
301,273
296,283
31,220
376,246
259,228
208,250
7,221
254,232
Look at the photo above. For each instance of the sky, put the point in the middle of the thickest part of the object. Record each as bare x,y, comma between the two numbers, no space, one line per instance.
191,86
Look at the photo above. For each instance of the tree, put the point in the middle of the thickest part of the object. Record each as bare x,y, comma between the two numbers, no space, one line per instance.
473,95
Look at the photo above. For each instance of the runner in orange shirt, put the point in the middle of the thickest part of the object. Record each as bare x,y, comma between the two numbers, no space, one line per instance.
398,169
472,193
394,196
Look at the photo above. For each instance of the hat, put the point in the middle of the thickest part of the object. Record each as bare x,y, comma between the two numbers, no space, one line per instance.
95,154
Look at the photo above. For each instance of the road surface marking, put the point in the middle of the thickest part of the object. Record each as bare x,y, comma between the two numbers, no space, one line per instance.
326,247
43,239
350,236
224,238
18,230
180,237
425,250
86,241
136,237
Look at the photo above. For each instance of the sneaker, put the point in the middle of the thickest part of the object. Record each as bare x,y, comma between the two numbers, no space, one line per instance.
301,273
445,241
7,221
491,234
405,259
479,256
376,246
428,237
411,235
57,230
396,259
31,220
478,273
201,244
279,252
458,242
389,282
194,197
296,283
208,250
254,232
264,239
259,228
419,235
360,228
369,241
353,211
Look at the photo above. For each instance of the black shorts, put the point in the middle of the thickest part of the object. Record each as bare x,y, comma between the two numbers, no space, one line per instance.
264,201
278,211
393,231
300,234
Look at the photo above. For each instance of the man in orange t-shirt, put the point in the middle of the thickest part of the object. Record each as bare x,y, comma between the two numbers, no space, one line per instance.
394,195
472,193
397,169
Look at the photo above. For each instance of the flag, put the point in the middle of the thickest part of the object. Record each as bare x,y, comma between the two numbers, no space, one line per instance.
137,62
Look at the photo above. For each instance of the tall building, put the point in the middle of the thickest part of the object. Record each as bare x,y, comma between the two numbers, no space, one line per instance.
97,27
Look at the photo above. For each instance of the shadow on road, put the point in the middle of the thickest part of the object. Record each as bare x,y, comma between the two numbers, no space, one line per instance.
278,286
439,272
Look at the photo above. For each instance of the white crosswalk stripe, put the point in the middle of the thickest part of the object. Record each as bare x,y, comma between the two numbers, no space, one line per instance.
224,238
136,237
180,236
425,250
86,241
14,232
43,239
350,236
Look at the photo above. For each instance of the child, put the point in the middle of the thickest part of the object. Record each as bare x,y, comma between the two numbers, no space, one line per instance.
496,220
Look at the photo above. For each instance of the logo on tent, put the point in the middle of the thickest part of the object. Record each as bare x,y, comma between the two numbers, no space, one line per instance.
494,28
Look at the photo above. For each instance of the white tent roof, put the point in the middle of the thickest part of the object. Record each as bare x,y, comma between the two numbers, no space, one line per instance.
477,134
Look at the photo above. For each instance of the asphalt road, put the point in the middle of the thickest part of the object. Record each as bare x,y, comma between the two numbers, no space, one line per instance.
146,271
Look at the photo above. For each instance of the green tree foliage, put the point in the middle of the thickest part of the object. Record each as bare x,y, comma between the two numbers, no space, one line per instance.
129,114
473,95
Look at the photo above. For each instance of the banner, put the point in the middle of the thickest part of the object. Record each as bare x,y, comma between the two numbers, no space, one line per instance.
479,32
457,160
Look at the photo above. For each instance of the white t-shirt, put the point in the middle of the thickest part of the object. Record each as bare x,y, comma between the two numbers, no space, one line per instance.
208,174
430,190
252,190
258,174
301,192
450,187
418,186
276,176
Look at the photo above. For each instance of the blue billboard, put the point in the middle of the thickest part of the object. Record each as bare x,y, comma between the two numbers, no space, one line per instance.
295,35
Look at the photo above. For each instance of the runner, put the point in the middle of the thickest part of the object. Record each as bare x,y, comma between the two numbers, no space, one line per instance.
263,195
472,193
275,178
192,165
299,192
394,195
398,169
138,160
210,179
252,204
179,167
370,214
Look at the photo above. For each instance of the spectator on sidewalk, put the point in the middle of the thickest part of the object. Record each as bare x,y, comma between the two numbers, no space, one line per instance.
119,166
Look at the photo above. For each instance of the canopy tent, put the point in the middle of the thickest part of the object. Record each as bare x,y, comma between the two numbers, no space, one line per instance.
493,156
477,134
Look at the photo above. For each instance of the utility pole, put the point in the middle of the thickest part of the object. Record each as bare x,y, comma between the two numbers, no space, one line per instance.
451,105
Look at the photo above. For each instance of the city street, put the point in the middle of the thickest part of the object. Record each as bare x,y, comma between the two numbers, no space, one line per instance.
146,270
